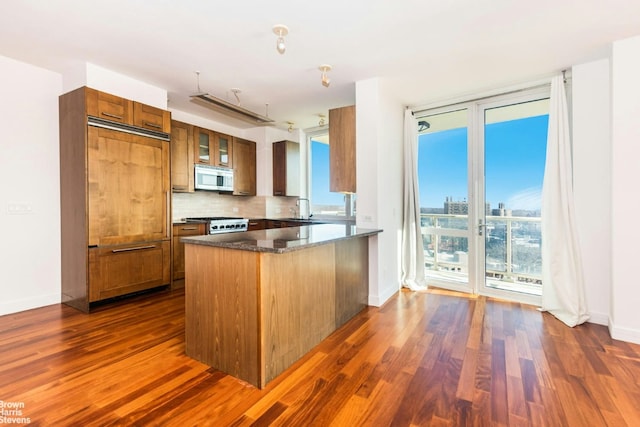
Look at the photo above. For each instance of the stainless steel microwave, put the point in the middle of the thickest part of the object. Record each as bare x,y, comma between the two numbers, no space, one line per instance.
213,178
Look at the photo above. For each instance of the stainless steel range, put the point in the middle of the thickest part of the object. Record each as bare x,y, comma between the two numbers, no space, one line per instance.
219,225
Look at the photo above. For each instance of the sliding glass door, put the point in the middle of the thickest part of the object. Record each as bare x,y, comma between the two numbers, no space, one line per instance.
480,170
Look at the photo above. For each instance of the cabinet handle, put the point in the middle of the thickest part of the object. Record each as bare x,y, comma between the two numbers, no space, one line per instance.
189,228
152,125
167,195
115,251
113,116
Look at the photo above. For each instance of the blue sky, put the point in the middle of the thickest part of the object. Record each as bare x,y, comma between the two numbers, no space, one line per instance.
320,194
514,164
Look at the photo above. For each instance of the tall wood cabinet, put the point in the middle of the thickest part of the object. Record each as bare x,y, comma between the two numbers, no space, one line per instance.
115,197
342,149
244,167
182,157
286,168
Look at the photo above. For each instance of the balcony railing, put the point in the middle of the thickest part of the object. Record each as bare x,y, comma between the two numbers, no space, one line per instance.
513,258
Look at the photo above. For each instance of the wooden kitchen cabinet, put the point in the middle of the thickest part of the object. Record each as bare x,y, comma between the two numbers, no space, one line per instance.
342,149
257,224
108,107
244,166
115,200
114,108
120,270
151,118
128,188
181,230
213,148
182,157
286,168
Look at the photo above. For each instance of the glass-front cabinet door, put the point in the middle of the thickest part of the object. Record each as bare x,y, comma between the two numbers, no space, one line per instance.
204,140
223,150
213,148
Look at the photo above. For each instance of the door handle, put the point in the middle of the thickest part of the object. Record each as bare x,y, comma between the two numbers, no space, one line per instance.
481,227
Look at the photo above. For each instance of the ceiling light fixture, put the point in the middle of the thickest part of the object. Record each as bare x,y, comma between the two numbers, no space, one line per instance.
280,31
325,68
226,107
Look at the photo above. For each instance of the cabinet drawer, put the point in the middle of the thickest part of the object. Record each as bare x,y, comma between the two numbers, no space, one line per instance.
152,118
109,107
120,270
257,224
190,229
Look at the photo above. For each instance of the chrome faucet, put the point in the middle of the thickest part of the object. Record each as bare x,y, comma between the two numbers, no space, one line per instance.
300,208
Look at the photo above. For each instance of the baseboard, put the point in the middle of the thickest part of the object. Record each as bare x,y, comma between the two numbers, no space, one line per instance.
379,300
599,318
15,306
624,334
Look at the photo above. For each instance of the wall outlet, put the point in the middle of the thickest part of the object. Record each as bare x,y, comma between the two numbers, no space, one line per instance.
235,209
278,210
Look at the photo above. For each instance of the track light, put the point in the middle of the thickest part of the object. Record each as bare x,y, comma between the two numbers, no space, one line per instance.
290,128
325,79
280,31
322,121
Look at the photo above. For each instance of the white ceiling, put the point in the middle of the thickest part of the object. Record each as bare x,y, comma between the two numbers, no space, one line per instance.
423,50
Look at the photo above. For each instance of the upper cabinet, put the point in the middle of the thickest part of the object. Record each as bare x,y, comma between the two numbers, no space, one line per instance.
181,157
286,168
152,118
244,167
342,149
213,148
116,109
109,107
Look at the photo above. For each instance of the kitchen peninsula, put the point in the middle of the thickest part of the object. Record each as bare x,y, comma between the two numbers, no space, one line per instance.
257,301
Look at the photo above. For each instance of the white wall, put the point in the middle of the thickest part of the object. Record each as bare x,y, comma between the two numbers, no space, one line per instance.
625,200
379,127
29,177
592,181
93,76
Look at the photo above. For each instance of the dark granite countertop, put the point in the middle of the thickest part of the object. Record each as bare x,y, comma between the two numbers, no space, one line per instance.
280,240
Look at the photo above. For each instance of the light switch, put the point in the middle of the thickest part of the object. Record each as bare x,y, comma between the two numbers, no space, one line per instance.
19,208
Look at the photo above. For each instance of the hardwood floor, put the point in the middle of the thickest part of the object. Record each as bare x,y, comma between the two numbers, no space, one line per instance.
423,359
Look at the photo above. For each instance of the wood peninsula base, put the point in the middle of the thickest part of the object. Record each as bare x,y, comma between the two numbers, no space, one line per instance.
253,313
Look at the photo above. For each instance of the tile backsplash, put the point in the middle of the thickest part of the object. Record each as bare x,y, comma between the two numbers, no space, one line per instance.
209,203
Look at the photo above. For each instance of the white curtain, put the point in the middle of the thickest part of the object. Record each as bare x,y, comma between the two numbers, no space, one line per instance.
412,250
563,292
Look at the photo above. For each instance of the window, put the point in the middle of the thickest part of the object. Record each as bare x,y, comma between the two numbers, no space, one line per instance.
325,203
